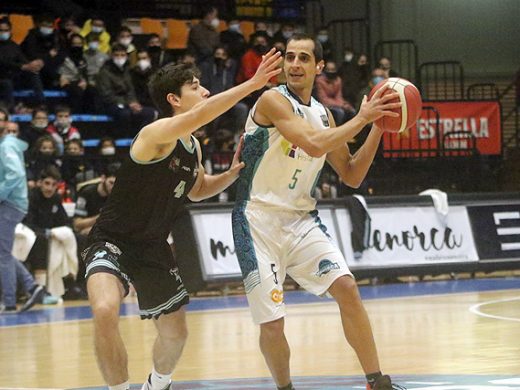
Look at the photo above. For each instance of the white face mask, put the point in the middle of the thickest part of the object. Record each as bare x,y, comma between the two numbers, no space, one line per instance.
46,31
4,36
287,34
125,41
144,64
97,29
120,62
322,38
94,45
234,27
108,151
215,23
348,57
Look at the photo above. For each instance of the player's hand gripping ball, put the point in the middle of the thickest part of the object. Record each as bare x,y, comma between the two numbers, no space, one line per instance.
411,104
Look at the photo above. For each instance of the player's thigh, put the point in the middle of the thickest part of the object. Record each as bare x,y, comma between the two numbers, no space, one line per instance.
315,262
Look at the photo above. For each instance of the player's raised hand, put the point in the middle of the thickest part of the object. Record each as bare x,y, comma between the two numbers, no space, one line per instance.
379,105
236,164
267,69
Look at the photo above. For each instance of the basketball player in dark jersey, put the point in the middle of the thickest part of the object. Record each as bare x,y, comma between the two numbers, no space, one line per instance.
128,243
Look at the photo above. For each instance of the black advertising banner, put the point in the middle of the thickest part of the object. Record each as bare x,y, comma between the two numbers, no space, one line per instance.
496,230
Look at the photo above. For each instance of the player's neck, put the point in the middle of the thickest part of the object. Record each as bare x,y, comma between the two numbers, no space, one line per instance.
303,93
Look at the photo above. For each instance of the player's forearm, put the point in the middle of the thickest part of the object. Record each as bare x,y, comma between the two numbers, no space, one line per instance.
82,223
361,161
213,185
329,140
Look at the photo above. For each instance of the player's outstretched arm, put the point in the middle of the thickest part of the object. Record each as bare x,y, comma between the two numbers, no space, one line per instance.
275,109
169,130
207,186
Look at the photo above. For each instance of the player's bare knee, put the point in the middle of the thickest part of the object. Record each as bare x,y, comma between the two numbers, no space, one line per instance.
346,293
175,334
273,328
105,313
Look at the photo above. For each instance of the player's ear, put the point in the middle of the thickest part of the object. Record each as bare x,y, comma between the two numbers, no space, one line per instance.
319,67
173,99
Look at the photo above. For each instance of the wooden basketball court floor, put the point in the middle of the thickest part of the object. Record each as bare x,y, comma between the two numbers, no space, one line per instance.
439,335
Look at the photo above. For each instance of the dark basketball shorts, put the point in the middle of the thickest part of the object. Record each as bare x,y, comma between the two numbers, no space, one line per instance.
150,267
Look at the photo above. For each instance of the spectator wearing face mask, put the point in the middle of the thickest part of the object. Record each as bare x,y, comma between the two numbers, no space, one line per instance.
107,154
42,43
141,73
76,168
252,58
261,29
15,68
114,84
94,57
329,91
62,130
125,38
234,40
204,37
37,127
377,76
96,25
74,77
285,32
386,64
350,75
43,153
217,75
158,55
326,44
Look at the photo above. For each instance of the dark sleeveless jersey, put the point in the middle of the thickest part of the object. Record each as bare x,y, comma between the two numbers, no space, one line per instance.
146,197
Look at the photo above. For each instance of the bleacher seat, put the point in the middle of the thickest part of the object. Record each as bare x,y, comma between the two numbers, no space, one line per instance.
178,31
21,26
48,93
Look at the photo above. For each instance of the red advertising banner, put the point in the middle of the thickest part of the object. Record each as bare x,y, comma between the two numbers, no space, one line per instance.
481,118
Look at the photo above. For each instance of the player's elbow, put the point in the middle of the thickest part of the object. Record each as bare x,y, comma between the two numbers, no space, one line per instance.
352,181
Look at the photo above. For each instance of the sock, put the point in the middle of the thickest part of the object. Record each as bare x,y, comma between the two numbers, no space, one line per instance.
288,387
159,381
40,277
372,378
121,386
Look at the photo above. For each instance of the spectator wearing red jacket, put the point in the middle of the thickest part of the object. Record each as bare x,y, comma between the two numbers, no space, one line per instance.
62,130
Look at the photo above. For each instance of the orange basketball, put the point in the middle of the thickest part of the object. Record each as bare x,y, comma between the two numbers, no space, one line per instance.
411,107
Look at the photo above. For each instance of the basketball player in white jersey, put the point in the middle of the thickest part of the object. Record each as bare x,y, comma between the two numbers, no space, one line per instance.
276,227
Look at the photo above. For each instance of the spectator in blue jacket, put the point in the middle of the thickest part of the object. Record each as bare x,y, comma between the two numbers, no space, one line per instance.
13,207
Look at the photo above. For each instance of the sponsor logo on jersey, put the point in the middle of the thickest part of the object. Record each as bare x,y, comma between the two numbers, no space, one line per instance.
325,120
325,267
276,296
175,163
293,151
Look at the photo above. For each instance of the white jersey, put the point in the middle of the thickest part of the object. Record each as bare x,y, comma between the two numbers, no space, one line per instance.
278,173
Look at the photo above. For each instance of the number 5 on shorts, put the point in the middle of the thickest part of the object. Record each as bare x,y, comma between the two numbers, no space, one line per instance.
294,179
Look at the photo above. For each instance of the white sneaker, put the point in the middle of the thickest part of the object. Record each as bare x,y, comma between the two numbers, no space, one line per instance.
148,385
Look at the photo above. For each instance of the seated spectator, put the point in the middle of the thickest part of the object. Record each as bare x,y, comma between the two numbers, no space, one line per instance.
37,127
106,154
234,40
12,128
125,38
74,77
43,43
378,75
141,73
75,167
54,253
348,71
252,58
217,76
91,198
329,88
96,25
14,65
386,64
158,55
66,28
114,84
260,29
285,32
42,154
204,37
62,130
95,60
328,48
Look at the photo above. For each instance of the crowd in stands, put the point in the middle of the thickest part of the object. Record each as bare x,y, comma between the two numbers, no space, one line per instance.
108,74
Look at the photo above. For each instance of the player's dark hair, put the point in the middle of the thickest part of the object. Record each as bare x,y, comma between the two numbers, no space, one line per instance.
318,49
170,79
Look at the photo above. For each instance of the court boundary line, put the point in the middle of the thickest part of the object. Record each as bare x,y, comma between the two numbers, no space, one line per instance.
475,309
